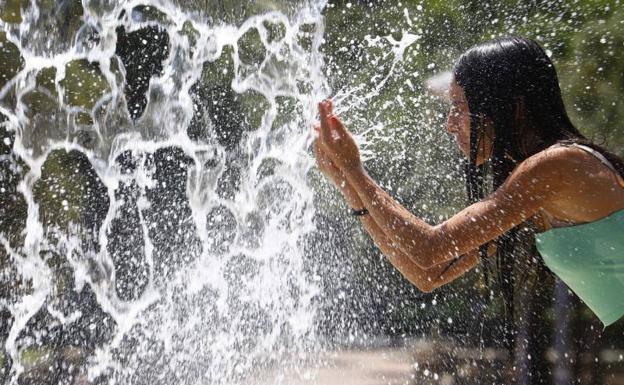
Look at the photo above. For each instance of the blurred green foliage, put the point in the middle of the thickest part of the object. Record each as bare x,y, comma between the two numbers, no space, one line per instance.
593,77
409,152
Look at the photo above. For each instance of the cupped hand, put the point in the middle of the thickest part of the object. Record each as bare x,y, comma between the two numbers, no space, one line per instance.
336,140
326,164
335,175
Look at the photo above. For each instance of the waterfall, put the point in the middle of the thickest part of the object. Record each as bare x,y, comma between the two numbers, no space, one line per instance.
155,191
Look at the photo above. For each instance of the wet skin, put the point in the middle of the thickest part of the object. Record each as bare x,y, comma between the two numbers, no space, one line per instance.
565,182
458,125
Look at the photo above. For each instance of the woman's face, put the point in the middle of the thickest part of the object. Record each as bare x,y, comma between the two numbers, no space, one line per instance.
458,125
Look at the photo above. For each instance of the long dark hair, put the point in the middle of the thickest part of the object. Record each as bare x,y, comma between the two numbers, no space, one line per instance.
512,82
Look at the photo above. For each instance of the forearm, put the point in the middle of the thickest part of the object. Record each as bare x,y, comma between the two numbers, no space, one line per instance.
416,238
450,271
381,239
425,279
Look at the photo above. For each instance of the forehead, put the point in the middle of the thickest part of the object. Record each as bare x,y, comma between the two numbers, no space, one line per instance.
456,92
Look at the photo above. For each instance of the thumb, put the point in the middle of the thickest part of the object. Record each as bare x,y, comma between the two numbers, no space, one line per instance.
338,128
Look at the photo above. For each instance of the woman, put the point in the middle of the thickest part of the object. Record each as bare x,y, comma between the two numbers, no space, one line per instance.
507,114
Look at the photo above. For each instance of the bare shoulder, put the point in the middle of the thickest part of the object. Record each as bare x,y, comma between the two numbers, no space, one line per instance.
557,157
551,171
554,161
566,175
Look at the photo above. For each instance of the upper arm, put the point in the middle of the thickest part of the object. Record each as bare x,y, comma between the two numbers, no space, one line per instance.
534,182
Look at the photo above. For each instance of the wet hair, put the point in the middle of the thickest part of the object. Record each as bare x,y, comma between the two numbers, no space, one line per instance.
512,82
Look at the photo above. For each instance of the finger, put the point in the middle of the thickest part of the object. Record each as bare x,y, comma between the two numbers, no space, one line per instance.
320,159
325,111
319,152
327,107
322,154
337,126
324,147
320,146
330,106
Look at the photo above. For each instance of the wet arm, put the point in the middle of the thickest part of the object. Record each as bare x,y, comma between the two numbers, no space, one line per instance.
424,279
427,246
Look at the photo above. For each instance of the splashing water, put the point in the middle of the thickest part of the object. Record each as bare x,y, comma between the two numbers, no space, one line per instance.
160,160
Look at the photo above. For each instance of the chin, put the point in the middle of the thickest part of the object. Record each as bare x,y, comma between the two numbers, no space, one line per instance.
480,160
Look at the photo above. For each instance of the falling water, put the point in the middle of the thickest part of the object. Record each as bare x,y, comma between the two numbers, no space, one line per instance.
155,165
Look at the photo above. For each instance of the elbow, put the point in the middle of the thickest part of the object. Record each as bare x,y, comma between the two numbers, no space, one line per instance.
431,257
425,284
427,256
423,260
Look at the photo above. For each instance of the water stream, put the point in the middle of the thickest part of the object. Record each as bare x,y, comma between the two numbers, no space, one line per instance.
155,165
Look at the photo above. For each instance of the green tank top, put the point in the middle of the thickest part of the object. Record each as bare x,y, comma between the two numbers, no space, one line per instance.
589,258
